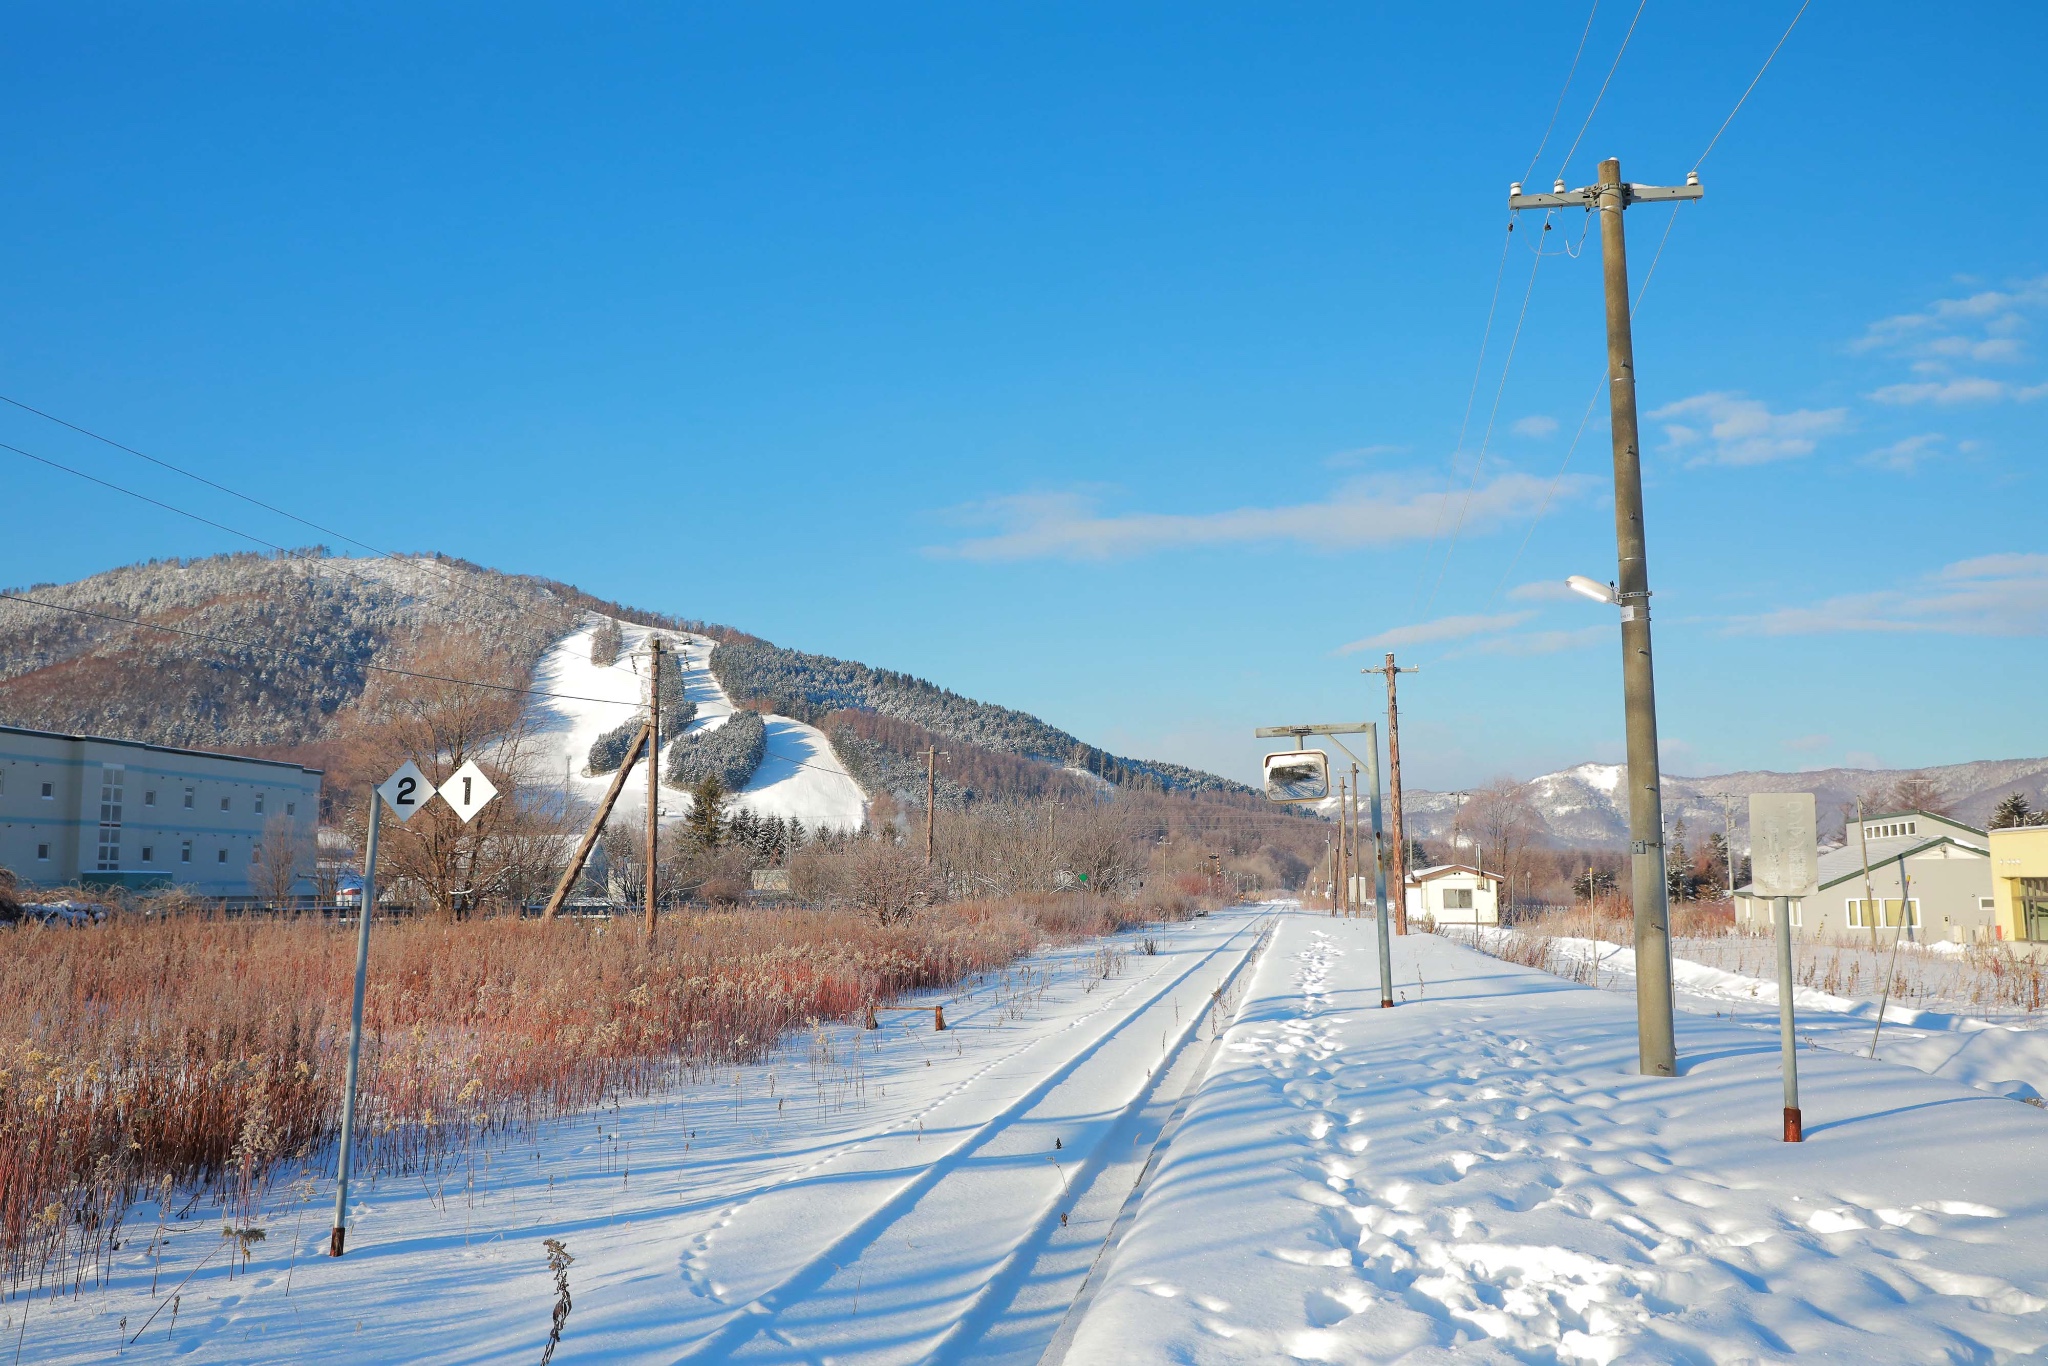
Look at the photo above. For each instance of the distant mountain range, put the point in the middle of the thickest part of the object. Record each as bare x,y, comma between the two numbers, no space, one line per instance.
1585,806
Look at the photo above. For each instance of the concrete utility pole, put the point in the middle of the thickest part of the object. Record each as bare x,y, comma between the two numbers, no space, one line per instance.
653,775
1655,1042
1400,831
1355,836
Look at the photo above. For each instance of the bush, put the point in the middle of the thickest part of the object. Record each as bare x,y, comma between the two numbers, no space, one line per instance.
609,750
732,751
605,644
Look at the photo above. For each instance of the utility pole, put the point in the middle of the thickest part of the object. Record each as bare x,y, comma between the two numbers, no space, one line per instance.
653,775
1343,887
1400,831
931,806
1656,1044
1355,833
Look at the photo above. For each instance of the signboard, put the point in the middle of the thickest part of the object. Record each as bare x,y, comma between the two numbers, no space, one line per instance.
1784,858
468,791
1298,775
406,791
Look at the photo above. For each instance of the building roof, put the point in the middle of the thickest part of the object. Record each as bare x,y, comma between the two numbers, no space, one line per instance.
1915,811
1841,864
1445,869
155,749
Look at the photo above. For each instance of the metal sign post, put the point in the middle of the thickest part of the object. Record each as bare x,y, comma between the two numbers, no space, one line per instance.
468,791
1379,860
1786,860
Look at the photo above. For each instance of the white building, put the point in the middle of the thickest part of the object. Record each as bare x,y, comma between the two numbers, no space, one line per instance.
1454,894
81,809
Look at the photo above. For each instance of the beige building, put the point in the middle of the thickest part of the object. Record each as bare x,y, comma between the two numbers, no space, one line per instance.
1947,892
1454,894
81,809
2019,881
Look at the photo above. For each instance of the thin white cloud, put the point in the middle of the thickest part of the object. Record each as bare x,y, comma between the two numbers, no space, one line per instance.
1442,629
1543,590
1907,455
1982,326
1365,513
1962,389
1546,642
1809,744
1352,459
1535,425
1731,429
1990,595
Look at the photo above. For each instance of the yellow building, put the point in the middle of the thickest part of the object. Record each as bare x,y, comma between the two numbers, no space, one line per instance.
2019,882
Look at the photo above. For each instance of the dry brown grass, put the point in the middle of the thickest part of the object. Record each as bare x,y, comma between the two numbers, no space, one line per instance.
200,1052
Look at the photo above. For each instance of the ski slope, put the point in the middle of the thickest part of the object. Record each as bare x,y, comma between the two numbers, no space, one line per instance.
801,777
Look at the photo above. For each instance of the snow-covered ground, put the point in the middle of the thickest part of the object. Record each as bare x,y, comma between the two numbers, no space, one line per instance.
2009,1059
1213,1153
1480,1175
801,776
895,1196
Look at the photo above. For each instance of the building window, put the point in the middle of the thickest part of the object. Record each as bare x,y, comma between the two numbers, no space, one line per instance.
259,803
291,808
220,856
149,853
1882,913
223,803
149,799
48,794
185,852
108,859
42,853
188,799
1457,898
254,856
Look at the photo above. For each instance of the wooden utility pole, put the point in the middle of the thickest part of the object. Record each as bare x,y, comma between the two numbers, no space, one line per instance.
1399,830
1352,905
1656,1044
653,776
1337,855
589,841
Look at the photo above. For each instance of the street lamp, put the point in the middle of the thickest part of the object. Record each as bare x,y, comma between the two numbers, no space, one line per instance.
1592,588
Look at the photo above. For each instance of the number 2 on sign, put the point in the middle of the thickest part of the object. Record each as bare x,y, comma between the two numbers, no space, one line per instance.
406,787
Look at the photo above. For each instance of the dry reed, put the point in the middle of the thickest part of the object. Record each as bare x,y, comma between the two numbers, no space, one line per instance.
198,1053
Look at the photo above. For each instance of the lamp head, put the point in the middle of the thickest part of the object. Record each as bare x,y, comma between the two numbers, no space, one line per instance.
1592,588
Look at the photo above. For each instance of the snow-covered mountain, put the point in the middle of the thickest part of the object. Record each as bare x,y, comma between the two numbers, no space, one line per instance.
1585,806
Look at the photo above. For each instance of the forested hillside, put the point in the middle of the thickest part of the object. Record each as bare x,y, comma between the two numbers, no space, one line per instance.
811,687
264,653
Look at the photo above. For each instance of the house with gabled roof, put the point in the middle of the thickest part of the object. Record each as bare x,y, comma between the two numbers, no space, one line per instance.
1929,878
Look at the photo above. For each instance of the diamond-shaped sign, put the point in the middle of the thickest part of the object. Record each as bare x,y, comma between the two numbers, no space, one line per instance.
406,791
468,791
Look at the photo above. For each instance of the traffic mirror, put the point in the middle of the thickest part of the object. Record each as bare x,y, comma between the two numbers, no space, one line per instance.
1299,775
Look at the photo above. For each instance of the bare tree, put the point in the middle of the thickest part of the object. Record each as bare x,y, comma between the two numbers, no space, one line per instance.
1917,792
284,854
1505,823
440,725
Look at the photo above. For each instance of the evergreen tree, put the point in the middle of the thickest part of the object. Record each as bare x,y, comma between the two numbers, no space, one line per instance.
2012,809
707,811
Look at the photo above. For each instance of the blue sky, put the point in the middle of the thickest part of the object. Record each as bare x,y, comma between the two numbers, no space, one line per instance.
1109,362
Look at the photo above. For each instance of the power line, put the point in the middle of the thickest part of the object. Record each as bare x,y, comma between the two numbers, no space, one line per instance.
198,478
1563,91
1612,68
1557,479
1486,439
1752,85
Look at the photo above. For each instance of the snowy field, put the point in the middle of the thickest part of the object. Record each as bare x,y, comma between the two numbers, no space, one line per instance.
801,776
1481,1176
895,1196
2009,1059
1220,1151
